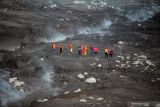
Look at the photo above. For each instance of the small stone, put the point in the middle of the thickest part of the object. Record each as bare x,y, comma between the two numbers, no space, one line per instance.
90,80
80,76
78,90
99,99
99,65
85,73
12,80
83,100
67,92
120,42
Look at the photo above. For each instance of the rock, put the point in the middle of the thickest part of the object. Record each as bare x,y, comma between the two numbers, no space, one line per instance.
99,99
67,92
18,83
99,65
90,80
121,57
78,90
83,100
136,62
149,63
122,65
12,80
80,76
120,42
91,98
85,73
43,100
128,57
42,59
143,56
117,61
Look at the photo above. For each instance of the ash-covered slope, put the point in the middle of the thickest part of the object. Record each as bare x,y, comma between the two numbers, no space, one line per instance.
31,73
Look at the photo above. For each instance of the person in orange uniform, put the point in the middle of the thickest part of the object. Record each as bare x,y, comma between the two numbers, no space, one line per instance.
54,46
85,50
106,50
61,48
96,50
70,46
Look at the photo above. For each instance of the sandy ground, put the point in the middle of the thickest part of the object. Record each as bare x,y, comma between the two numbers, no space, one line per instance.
130,79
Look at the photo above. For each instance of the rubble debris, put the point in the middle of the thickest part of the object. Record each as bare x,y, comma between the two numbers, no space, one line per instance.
122,65
91,98
143,56
42,59
90,80
78,90
80,76
149,63
12,80
137,62
128,57
85,73
43,100
99,66
18,83
117,61
83,100
121,57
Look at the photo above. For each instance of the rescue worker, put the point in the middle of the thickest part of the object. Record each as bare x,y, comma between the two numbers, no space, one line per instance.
82,49
85,50
95,50
111,53
70,46
54,46
79,50
61,48
106,50
92,51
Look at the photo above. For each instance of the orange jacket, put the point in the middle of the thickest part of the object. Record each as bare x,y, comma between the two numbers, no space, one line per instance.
70,46
53,45
106,50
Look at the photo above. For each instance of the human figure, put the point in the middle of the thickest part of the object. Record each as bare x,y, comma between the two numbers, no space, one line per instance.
106,50
111,53
61,48
82,50
70,48
95,50
54,46
79,50
85,50
92,51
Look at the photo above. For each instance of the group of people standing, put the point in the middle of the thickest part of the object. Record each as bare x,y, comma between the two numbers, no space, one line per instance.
83,50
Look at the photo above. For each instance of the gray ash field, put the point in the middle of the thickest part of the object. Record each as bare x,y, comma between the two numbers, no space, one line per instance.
32,75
